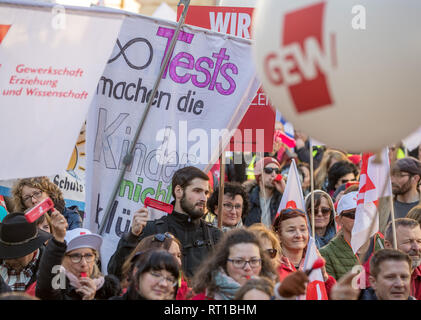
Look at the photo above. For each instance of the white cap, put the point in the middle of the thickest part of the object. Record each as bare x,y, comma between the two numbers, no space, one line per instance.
82,238
347,202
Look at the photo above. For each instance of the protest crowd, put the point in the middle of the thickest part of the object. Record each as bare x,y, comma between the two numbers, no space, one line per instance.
251,248
299,220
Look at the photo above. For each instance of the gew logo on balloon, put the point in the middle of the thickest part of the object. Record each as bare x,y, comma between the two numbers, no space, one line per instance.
301,63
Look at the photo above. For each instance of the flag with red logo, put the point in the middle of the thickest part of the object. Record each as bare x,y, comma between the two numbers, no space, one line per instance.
293,194
374,184
316,289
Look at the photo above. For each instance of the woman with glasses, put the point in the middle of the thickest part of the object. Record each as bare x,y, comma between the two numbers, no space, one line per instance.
28,192
237,257
68,269
269,241
165,241
324,217
293,233
155,278
235,205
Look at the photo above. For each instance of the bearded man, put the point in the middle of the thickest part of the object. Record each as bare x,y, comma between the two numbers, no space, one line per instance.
190,189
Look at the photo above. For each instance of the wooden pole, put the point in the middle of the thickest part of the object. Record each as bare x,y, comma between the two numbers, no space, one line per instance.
221,186
313,228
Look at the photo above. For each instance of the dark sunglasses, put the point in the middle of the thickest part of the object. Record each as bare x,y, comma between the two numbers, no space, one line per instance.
272,253
350,214
325,211
269,170
162,236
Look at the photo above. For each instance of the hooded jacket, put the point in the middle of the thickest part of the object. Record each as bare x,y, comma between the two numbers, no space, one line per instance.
331,228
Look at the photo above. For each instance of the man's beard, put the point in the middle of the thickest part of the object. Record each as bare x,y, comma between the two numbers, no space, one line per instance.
415,258
189,208
399,190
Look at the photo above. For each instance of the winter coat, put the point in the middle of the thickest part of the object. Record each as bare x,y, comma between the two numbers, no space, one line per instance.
52,257
339,256
255,212
197,238
286,268
74,220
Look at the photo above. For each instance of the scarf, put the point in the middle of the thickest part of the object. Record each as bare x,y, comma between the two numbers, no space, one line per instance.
18,281
227,286
74,281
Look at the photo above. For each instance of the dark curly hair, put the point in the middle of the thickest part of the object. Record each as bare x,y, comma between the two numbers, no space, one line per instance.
338,170
231,189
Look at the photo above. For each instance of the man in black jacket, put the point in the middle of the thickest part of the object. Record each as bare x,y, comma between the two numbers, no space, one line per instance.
266,195
190,189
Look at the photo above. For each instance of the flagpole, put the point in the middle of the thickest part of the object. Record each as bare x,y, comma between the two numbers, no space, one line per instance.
221,184
128,158
378,159
313,228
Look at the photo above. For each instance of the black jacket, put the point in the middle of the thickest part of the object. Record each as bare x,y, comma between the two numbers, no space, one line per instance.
197,238
44,290
255,212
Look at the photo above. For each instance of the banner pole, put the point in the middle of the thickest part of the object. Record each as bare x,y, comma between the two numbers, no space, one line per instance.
313,227
221,185
128,158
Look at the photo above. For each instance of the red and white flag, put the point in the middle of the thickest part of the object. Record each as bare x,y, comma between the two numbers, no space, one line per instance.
374,184
293,194
316,289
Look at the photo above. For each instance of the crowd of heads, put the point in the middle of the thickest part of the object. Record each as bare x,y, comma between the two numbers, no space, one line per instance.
258,248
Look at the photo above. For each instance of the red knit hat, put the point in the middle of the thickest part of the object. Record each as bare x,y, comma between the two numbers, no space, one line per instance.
258,168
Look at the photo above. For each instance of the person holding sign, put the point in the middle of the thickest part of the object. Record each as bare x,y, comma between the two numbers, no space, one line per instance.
190,188
28,192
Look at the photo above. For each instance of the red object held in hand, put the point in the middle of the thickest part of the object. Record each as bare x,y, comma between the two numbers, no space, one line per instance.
159,205
40,209
319,263
83,274
278,177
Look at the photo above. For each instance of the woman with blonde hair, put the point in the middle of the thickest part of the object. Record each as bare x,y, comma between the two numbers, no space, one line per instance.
269,241
68,268
330,157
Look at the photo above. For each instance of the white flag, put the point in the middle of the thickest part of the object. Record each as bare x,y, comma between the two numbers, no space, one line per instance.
374,178
293,194
316,289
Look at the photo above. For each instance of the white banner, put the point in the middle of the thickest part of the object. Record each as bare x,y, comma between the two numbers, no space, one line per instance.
204,93
51,58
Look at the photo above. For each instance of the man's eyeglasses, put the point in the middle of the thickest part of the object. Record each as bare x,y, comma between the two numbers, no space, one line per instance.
272,253
37,195
400,175
230,206
77,257
162,236
241,264
160,277
269,170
